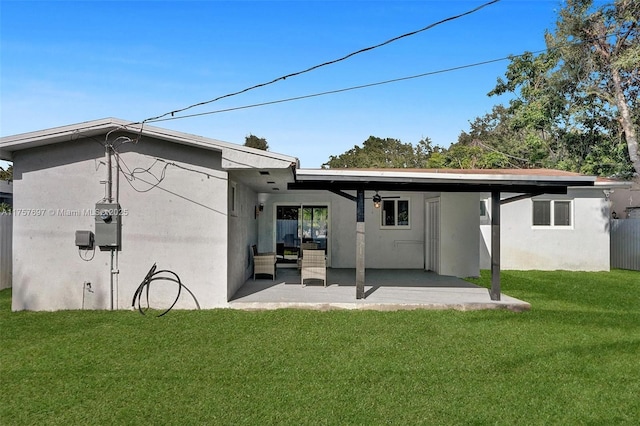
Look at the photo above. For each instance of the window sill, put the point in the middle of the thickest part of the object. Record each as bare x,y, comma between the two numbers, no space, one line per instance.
558,227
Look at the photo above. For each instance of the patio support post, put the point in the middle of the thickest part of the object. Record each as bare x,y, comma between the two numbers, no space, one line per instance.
495,245
360,244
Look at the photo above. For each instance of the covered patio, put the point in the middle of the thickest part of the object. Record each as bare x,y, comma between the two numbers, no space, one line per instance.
385,290
438,183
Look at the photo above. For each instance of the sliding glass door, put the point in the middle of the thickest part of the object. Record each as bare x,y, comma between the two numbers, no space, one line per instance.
296,225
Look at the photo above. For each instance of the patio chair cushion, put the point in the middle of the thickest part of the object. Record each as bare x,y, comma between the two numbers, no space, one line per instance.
313,266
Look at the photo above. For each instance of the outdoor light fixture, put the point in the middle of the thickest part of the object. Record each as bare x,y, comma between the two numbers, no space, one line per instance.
259,208
376,200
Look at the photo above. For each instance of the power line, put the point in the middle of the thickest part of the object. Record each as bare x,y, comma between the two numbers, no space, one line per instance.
364,86
284,77
331,92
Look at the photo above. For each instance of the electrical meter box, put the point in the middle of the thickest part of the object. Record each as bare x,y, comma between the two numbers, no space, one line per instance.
84,239
108,225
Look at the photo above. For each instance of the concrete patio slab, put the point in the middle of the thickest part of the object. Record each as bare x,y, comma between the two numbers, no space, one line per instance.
385,290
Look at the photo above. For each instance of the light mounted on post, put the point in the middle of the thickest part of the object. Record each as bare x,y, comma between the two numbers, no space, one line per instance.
376,200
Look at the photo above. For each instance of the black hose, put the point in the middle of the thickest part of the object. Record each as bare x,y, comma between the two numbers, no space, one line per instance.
151,276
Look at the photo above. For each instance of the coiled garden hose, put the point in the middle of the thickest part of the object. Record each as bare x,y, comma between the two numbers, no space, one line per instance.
154,275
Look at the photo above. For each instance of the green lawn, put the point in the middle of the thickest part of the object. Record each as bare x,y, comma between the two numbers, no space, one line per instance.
573,359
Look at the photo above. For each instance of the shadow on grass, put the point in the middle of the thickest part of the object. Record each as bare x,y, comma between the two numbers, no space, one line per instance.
565,318
617,290
609,350
5,300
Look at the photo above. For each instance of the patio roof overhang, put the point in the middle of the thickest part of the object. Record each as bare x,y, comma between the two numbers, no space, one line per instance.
440,180
529,182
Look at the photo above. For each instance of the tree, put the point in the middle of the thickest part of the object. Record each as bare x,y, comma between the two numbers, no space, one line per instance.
599,51
6,174
253,141
383,153
537,113
571,101
498,141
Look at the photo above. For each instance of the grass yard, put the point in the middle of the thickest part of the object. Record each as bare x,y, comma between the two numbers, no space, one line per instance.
573,359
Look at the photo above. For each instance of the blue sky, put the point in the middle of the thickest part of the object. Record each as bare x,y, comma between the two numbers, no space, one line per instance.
68,62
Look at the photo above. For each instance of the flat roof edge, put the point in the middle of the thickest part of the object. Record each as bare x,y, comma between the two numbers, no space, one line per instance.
332,175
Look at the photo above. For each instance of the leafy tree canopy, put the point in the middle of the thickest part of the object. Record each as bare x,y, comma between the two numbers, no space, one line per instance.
6,174
574,107
253,141
383,153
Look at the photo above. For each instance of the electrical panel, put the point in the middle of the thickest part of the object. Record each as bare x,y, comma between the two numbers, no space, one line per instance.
108,225
84,239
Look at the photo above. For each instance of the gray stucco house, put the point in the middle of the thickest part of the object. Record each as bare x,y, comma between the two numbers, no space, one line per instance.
97,203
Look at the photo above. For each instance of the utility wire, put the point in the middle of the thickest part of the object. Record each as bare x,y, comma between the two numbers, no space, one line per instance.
284,77
364,86
130,177
331,92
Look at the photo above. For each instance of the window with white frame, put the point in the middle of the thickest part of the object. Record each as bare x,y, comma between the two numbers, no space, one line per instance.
395,214
553,213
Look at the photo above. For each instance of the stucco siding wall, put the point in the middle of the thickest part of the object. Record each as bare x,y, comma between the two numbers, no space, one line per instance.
181,225
243,232
459,239
583,247
401,248
6,231
623,198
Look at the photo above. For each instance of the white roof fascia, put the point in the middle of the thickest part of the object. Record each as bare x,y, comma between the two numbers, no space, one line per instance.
613,184
412,176
9,144
234,156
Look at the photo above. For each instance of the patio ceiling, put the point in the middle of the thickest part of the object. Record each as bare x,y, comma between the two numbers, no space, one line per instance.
264,180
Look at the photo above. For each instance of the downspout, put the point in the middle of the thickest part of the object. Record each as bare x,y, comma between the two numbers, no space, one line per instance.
116,271
109,197
107,149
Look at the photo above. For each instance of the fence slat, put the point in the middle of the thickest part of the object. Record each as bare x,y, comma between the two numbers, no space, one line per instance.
625,244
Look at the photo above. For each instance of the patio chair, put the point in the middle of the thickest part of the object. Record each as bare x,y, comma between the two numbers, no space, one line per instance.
263,263
313,266
308,246
303,247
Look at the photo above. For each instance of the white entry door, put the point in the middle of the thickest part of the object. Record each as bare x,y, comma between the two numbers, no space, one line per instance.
432,235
